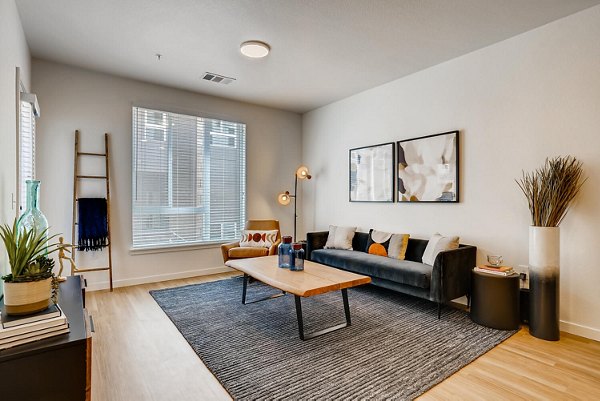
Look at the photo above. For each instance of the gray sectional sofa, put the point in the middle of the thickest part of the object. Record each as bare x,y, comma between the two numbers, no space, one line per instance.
447,279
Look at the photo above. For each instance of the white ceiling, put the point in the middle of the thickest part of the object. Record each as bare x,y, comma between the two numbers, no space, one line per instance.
322,50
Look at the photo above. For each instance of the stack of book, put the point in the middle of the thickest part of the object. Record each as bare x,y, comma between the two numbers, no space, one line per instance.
18,330
497,270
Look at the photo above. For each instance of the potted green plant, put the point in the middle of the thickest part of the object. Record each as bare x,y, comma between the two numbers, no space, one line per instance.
550,191
31,285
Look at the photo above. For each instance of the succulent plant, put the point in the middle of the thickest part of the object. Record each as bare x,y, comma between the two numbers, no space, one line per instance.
28,252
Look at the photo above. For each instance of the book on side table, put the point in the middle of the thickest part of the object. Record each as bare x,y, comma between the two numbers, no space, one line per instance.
497,270
9,321
18,330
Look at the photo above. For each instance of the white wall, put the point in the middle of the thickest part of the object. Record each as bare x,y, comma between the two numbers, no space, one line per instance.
73,98
13,53
516,103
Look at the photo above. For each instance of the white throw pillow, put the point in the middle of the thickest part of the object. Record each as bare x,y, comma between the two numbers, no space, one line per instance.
340,237
258,238
437,244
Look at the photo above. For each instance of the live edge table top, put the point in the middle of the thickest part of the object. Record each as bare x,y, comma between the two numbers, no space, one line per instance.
315,279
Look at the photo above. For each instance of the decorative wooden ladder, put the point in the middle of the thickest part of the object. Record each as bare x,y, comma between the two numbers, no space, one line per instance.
76,178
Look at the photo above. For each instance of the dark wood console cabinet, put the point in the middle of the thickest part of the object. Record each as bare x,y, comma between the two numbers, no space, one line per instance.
55,368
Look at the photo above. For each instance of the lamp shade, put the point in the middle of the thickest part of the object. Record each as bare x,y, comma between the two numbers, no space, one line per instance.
284,198
302,173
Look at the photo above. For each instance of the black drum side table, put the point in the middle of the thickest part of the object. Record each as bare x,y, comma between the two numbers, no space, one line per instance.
495,300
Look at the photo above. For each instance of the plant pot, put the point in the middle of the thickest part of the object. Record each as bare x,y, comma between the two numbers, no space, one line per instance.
29,297
544,281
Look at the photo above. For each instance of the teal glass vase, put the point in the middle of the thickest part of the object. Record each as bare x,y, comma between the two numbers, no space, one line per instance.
33,216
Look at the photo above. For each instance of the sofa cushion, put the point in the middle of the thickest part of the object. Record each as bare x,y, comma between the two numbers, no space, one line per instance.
437,244
387,244
359,242
247,252
415,249
340,237
401,271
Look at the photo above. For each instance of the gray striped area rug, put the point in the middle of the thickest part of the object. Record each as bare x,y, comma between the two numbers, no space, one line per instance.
395,349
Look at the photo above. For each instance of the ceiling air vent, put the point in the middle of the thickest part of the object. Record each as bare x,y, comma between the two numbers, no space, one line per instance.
219,79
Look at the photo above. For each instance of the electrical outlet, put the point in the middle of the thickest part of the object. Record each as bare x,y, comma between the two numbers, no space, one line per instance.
523,271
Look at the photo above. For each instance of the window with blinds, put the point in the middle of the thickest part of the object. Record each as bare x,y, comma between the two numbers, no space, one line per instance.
189,179
26,151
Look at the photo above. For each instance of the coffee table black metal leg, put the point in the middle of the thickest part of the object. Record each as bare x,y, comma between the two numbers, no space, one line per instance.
299,316
346,306
245,289
324,331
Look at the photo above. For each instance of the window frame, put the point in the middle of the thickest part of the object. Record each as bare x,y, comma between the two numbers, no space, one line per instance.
164,247
20,200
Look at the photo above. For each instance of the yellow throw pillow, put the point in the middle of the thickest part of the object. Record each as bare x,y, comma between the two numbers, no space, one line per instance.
398,245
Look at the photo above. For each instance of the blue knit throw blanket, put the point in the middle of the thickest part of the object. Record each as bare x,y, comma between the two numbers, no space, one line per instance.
92,224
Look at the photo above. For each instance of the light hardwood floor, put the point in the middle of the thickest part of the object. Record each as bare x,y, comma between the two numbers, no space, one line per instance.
139,355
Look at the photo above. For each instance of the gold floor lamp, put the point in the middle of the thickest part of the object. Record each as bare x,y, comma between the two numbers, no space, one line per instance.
285,198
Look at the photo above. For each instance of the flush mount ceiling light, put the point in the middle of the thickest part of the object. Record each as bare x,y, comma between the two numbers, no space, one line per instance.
255,49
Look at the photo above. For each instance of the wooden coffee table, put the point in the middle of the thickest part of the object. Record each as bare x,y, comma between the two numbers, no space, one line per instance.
315,279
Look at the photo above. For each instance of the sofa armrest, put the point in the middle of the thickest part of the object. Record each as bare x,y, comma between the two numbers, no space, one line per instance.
314,241
451,276
273,248
225,249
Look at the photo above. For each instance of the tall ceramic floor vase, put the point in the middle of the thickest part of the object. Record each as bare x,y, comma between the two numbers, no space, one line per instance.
544,281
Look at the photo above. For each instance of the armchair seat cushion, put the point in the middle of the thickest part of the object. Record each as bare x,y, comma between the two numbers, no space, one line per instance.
247,252
400,271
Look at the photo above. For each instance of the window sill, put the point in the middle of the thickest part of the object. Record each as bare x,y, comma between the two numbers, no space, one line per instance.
176,248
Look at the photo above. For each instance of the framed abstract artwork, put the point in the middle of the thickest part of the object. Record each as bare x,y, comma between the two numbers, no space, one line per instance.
428,168
372,173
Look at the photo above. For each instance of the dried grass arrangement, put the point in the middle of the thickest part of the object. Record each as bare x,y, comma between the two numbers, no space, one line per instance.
551,189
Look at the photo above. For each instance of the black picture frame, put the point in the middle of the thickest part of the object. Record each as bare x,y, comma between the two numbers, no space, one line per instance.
427,169
363,187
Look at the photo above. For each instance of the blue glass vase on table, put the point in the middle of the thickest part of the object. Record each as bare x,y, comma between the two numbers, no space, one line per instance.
285,253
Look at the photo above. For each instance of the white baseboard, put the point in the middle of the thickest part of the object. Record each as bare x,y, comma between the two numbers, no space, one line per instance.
569,327
580,330
104,285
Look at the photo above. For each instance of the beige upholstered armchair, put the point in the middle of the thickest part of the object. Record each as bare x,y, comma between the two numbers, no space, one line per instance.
235,251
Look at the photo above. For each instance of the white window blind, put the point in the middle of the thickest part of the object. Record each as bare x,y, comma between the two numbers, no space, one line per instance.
26,151
189,179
